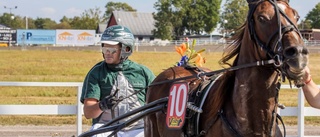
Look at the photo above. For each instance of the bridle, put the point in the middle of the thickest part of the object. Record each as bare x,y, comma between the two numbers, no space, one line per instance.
276,52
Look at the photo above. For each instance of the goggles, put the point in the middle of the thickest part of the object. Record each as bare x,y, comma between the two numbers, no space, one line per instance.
109,49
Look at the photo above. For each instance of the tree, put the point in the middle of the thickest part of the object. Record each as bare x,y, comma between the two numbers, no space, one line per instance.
89,19
76,22
314,16
305,24
164,28
44,23
63,25
234,15
202,16
16,21
116,6
31,24
65,19
180,17
8,20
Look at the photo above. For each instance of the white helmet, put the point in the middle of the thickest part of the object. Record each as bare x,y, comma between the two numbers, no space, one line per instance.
117,34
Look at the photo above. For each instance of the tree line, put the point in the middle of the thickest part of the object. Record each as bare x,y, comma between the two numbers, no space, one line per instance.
89,19
173,18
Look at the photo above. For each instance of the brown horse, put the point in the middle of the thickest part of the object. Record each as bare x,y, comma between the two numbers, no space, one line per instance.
243,100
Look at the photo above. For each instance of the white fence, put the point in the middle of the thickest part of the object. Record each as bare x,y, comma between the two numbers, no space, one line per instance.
299,111
46,109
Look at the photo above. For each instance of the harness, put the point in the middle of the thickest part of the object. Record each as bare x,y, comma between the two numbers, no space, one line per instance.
198,96
194,107
195,104
194,110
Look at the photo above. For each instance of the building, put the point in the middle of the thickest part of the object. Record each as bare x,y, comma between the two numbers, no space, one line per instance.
7,36
141,24
310,34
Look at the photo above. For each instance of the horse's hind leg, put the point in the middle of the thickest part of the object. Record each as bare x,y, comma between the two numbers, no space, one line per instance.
150,126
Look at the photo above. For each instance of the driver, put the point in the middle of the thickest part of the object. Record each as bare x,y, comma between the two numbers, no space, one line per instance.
114,79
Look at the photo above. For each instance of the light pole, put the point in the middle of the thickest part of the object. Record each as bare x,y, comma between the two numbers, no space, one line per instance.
26,22
11,18
224,27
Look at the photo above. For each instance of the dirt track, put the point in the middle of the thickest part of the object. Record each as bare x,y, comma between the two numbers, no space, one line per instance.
70,131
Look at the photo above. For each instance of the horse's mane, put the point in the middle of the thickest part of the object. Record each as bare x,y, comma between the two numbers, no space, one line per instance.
233,49
222,93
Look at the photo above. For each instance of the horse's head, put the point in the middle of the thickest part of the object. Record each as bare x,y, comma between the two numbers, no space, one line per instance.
273,26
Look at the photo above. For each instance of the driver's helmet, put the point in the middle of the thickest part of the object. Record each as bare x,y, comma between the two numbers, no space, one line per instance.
117,34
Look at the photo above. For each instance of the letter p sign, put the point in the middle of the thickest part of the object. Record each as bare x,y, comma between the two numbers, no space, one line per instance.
29,34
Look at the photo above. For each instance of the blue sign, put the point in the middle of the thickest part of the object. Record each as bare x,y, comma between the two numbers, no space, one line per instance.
36,36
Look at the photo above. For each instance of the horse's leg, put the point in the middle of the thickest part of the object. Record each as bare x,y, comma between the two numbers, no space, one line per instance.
218,129
151,128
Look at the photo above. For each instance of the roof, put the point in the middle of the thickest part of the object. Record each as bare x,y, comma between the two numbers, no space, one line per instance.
141,24
101,28
4,26
309,30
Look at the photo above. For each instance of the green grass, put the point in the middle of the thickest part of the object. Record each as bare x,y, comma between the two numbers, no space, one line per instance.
72,66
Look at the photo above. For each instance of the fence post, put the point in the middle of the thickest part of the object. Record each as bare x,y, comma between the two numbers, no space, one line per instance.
300,113
79,111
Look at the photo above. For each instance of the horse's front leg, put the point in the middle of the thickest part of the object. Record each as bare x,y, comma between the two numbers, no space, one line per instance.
150,126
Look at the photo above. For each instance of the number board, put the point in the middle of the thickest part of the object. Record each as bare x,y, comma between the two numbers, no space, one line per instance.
177,105
7,35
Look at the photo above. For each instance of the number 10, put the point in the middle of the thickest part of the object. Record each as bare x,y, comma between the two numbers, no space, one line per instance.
178,106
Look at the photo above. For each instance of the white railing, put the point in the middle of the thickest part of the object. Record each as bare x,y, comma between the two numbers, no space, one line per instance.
46,109
299,111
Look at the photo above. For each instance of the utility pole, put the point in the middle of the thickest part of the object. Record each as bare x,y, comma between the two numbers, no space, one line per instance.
10,22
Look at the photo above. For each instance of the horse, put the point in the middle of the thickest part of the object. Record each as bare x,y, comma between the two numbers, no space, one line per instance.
242,99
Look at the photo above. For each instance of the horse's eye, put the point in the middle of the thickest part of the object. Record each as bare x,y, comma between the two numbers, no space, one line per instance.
297,17
262,19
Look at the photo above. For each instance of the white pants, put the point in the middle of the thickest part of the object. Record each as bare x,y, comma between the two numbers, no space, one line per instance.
131,133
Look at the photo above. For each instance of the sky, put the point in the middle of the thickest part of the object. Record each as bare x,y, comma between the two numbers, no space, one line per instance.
56,9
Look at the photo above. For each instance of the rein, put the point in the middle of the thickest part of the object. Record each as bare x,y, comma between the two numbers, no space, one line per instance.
254,64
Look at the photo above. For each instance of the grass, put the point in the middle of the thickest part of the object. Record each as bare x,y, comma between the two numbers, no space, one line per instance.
72,66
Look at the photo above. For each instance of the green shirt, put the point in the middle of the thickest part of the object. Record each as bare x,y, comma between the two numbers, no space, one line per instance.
101,80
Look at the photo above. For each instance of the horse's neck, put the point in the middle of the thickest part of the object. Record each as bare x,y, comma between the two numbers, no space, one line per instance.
254,94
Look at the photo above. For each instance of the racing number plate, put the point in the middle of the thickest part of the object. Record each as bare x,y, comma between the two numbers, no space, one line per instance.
177,105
